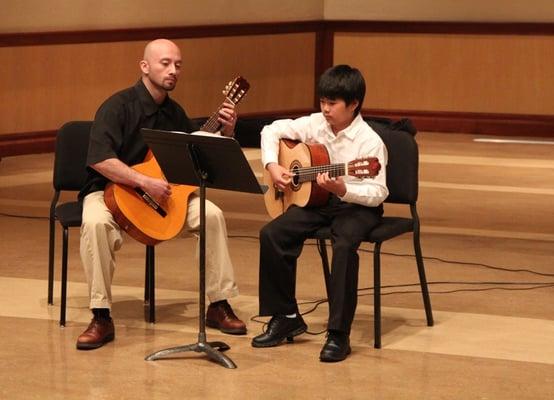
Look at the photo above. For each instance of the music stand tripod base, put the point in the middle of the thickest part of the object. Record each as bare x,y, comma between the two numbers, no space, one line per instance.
212,350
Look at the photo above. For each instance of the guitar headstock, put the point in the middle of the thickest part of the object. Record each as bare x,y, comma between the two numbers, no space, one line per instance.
366,167
236,89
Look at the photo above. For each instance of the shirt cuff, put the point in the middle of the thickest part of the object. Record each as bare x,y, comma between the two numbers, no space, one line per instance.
348,197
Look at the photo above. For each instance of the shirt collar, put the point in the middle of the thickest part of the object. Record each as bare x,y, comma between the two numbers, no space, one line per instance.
350,131
147,102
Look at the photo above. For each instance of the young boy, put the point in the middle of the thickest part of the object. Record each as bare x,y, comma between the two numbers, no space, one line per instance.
352,211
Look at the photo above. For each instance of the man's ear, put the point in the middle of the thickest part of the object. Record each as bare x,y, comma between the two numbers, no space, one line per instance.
144,67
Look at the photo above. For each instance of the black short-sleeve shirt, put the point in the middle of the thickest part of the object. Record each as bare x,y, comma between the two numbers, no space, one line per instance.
116,129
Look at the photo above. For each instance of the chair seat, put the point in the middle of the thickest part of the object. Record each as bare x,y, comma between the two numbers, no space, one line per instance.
70,213
390,227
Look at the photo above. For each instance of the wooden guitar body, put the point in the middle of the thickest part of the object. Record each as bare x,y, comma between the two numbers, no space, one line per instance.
141,221
293,155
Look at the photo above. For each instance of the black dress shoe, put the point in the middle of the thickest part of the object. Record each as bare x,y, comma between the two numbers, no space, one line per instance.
280,328
336,348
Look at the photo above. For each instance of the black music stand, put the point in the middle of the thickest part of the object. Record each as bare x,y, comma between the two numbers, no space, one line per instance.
203,160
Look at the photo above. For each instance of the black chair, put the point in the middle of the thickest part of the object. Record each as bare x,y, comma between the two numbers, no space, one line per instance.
69,175
402,182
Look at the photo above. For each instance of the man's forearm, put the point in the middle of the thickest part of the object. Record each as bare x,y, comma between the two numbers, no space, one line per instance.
119,172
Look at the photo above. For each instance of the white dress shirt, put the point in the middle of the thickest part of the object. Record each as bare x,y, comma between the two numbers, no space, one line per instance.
356,141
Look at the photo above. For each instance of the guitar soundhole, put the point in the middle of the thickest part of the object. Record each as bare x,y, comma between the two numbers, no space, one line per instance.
295,184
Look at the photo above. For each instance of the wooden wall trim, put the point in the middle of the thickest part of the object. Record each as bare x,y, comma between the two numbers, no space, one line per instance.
175,32
324,46
458,122
475,123
443,27
15,144
326,28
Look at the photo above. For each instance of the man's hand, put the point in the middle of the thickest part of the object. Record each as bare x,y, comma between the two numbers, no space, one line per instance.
333,185
116,171
158,189
280,176
227,118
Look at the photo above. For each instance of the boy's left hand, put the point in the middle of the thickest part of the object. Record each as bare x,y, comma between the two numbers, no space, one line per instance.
333,185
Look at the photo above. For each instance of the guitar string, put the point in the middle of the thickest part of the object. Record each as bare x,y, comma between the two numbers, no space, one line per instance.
212,124
310,173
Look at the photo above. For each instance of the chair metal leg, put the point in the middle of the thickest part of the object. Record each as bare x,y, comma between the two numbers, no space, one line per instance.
52,240
325,264
150,260
64,276
147,276
377,295
51,262
423,279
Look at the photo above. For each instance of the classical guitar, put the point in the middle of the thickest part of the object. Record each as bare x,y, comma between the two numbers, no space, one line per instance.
305,162
138,213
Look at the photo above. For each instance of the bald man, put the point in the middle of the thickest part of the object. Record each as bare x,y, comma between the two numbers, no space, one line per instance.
116,143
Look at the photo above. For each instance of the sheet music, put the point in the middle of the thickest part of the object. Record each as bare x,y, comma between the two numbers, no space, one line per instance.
203,133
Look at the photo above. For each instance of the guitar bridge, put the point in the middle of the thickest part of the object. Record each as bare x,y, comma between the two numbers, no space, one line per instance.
279,194
151,202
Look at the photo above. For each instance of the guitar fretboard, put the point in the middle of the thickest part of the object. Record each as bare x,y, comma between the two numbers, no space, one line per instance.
212,125
308,174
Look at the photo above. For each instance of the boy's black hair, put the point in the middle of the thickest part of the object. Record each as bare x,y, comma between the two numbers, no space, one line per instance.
342,82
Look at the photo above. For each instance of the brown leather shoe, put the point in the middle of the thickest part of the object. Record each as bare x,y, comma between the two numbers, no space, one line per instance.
98,333
220,316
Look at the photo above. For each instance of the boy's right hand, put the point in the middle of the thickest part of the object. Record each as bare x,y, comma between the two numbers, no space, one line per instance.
280,176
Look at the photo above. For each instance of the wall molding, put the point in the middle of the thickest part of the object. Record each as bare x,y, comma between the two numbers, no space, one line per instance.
442,27
474,123
139,34
328,27
15,144
435,121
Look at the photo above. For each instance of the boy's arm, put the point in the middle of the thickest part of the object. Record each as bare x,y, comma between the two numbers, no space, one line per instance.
297,129
370,192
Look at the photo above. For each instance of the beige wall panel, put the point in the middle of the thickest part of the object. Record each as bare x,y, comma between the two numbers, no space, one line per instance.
466,73
63,15
44,86
441,10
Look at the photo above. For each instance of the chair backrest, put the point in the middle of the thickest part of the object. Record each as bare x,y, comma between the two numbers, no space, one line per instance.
70,157
403,163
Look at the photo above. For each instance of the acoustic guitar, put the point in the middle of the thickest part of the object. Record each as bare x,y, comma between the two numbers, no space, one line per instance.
305,162
137,213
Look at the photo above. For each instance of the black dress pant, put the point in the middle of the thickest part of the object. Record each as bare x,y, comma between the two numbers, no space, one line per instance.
281,243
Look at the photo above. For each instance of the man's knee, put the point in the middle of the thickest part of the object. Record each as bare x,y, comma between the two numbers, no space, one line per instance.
214,215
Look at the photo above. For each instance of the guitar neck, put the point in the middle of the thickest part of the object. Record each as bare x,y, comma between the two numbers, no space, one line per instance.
212,125
308,174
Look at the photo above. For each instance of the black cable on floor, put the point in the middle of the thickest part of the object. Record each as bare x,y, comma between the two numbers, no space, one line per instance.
317,303
467,263
21,216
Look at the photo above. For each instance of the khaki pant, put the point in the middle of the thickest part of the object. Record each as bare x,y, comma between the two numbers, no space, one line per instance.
101,238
